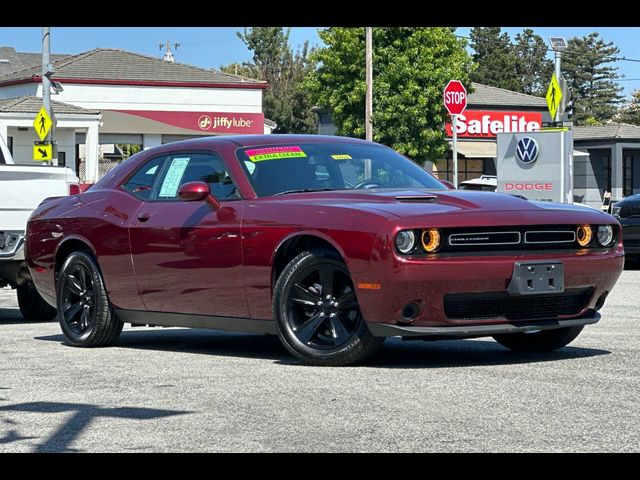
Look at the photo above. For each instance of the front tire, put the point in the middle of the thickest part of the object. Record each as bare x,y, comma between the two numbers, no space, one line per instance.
539,342
84,311
32,306
317,313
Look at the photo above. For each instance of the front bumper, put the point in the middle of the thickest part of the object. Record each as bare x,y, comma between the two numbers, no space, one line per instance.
472,331
426,283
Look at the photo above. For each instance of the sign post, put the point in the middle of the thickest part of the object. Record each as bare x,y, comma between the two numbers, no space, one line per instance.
455,101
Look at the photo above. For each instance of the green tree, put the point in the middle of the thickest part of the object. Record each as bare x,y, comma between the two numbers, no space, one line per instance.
411,66
128,149
630,112
495,59
533,68
242,69
284,102
586,65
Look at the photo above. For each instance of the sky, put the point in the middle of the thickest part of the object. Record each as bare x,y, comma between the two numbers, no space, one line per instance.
211,47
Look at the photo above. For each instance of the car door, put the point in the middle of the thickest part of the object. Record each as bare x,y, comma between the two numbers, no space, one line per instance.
187,256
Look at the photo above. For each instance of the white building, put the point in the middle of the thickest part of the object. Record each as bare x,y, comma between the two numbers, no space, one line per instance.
132,99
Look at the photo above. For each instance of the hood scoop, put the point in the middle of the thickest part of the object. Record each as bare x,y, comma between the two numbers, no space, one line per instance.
416,198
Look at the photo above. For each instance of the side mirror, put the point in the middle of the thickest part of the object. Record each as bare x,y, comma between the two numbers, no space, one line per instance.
448,184
197,191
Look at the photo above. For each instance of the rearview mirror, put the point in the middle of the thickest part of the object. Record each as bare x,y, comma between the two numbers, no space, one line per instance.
447,184
197,191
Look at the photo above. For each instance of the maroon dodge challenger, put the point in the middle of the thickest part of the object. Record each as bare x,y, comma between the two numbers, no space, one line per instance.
331,243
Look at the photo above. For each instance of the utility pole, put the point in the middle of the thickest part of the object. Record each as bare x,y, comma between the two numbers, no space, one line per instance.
369,75
47,70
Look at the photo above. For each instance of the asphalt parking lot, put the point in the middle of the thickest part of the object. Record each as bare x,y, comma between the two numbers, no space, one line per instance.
178,390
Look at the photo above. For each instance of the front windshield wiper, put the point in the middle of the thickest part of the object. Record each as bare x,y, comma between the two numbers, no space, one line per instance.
303,190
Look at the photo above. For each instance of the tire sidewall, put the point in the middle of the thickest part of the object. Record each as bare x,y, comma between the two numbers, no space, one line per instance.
99,297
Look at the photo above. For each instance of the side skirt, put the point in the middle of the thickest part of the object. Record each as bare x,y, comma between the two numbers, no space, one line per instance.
162,319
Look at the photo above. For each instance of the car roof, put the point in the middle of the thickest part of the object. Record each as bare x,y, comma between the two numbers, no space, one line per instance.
273,139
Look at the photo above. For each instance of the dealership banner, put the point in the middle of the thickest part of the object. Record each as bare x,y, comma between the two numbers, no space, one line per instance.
487,124
212,122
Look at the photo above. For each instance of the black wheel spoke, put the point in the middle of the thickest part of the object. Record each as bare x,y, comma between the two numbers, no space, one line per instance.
307,330
71,312
304,296
83,278
347,301
85,317
339,331
73,285
326,274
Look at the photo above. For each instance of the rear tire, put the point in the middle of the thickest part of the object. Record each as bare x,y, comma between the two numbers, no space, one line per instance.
84,312
539,342
32,306
317,313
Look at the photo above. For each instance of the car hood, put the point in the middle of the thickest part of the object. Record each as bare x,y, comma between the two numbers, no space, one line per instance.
408,203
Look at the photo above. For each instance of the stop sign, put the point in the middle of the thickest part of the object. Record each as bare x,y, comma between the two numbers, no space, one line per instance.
455,97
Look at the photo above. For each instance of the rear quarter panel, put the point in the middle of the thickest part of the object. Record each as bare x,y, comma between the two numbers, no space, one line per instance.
99,219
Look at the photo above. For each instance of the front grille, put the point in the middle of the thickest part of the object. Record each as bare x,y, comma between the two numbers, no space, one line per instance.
527,307
551,236
510,238
630,211
484,238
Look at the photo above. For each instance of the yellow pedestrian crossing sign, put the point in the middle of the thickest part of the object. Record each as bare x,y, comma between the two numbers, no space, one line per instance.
554,96
42,123
42,151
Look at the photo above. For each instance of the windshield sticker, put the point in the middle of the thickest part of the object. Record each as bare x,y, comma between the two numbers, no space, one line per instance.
172,179
274,153
342,156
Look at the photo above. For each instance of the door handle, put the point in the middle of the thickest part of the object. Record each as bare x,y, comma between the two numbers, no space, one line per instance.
143,217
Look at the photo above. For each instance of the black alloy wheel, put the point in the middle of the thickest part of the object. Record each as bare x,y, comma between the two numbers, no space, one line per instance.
84,312
78,298
322,309
317,312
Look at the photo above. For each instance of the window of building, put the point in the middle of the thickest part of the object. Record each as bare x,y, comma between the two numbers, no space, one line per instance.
468,168
627,167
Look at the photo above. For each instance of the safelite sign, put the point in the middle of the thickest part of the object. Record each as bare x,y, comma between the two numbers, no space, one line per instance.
487,124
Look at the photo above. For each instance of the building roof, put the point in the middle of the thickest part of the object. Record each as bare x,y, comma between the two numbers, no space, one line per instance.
31,104
608,131
484,95
12,61
113,66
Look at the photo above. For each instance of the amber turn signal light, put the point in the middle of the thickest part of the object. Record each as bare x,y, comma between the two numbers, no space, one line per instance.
431,240
584,235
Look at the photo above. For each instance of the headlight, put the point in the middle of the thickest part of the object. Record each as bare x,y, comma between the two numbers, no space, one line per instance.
405,241
431,240
615,211
605,235
584,234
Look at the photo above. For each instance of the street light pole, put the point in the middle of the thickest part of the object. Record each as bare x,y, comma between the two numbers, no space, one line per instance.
46,83
558,64
369,80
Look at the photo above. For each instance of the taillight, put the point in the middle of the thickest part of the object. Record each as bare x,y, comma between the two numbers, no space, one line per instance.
74,189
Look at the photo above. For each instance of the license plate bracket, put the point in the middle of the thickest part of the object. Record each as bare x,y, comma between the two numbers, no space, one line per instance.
535,278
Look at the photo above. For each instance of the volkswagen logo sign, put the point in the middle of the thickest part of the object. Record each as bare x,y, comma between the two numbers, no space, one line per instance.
527,150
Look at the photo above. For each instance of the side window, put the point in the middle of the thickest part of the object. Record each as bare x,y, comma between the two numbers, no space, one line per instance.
196,167
141,184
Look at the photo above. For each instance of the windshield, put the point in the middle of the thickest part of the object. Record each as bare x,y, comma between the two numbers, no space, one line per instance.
293,168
